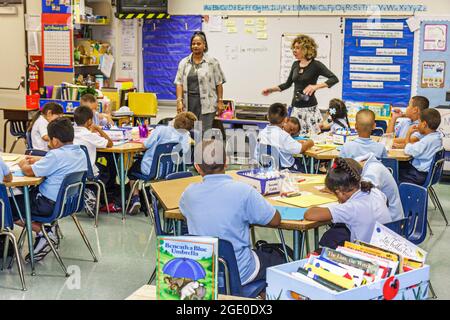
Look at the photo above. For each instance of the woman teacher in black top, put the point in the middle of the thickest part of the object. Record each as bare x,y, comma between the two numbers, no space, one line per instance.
304,74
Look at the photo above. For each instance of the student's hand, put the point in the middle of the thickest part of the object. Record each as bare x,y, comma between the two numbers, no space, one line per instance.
94,128
325,190
413,128
397,113
31,159
23,163
309,90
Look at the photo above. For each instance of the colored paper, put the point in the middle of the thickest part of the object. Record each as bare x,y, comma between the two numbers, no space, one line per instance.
288,213
306,201
316,179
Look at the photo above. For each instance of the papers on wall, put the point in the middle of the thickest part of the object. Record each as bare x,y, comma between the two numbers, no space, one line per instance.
34,43
106,64
374,60
391,52
33,22
374,77
215,24
435,37
413,24
367,85
374,68
372,43
378,34
128,37
57,45
433,74
377,26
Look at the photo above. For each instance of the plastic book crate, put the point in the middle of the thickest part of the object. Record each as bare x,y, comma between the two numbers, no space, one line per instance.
68,105
263,186
414,285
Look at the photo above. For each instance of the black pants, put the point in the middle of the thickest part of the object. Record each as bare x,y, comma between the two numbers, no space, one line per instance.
267,260
40,205
408,173
335,236
108,173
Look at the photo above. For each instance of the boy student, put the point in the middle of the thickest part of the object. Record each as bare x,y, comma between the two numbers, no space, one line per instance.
411,117
365,123
179,133
89,134
292,126
100,119
221,207
62,159
38,126
423,151
275,136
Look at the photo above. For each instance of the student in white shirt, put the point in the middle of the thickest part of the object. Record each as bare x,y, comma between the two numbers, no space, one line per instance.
38,127
360,206
274,136
89,135
337,117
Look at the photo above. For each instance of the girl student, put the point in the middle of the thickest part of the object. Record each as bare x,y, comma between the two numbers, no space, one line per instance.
360,206
38,126
337,117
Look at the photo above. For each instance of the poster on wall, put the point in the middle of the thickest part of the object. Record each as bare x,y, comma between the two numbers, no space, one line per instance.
56,6
435,37
433,74
57,42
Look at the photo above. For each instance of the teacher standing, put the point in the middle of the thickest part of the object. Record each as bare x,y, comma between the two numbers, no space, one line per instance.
199,83
304,74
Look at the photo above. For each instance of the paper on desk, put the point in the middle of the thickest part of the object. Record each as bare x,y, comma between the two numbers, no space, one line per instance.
319,179
10,157
306,201
288,213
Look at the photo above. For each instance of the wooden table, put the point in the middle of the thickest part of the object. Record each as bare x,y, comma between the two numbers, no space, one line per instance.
169,193
124,149
15,114
148,292
26,183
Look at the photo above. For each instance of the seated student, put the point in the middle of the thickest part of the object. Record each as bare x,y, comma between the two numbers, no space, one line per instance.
275,136
374,171
360,206
292,126
5,173
221,207
411,117
423,151
336,117
179,133
38,126
62,159
89,134
100,119
365,123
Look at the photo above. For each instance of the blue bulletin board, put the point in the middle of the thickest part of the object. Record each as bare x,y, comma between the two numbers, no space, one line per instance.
434,61
56,6
378,58
165,42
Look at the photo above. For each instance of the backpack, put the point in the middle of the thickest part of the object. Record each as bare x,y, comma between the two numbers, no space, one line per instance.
274,247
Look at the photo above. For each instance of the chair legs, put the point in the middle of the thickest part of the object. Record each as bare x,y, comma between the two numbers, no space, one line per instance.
11,237
57,256
14,144
97,200
433,293
83,235
131,194
5,252
438,203
429,228
148,207
283,243
104,194
152,277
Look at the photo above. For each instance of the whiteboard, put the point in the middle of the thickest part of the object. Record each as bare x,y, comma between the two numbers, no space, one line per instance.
253,61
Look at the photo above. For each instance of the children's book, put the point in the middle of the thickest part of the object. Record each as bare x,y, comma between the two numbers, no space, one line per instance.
186,268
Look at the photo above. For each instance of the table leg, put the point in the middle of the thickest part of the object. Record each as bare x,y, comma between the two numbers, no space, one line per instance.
26,196
311,169
5,125
316,239
299,243
179,222
122,185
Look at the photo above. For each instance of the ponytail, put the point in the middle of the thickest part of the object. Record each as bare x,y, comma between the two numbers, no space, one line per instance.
53,107
366,186
33,120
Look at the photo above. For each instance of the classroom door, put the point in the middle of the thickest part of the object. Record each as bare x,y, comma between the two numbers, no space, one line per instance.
12,56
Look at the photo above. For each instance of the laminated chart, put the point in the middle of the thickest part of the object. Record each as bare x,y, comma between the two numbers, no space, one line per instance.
57,42
378,61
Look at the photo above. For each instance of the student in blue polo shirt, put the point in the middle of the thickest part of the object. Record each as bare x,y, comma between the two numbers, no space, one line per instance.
365,123
423,151
221,207
63,158
277,138
179,133
401,122
360,206
5,173
375,172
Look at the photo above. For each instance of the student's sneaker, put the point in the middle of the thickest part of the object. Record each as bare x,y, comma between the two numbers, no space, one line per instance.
135,205
90,201
41,246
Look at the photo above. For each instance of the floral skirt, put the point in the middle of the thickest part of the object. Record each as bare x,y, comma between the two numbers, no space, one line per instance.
310,119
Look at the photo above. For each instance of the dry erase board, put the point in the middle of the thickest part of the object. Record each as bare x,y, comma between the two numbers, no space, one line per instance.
249,50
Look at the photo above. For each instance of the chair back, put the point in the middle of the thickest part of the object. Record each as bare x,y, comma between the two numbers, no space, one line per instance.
70,195
415,205
268,156
436,169
165,161
229,281
28,140
90,170
392,165
179,175
18,128
6,220
378,132
399,226
158,228
381,124
35,152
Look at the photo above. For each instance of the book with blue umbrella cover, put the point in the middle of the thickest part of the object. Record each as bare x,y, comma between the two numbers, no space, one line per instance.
186,268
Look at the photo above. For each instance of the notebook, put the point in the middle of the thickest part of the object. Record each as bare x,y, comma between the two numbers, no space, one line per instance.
288,213
306,201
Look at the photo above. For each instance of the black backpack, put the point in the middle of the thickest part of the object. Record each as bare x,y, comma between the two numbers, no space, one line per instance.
274,247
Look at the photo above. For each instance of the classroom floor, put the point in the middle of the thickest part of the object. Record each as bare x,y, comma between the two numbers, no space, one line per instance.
126,253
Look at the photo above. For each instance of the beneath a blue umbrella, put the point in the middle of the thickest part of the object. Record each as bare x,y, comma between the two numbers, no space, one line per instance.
184,268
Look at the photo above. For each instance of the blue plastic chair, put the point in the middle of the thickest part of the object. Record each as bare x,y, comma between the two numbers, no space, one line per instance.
392,165
414,199
18,129
28,140
165,161
433,178
382,124
35,152
229,281
378,132
6,227
399,226
68,202
179,175
95,181
269,157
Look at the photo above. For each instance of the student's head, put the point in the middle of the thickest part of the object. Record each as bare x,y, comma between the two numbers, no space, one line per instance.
277,114
416,105
89,100
199,45
83,116
430,120
365,122
60,133
185,120
292,126
344,179
210,157
50,111
337,109
304,47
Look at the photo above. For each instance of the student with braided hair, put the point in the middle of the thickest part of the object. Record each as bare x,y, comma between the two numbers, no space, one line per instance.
360,206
